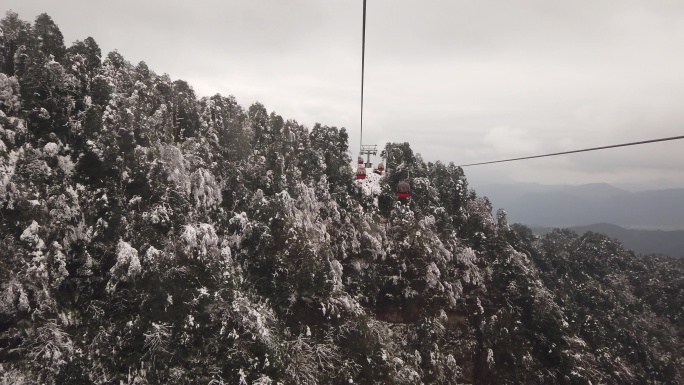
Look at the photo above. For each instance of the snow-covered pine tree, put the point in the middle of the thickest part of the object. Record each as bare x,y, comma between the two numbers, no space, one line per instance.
147,236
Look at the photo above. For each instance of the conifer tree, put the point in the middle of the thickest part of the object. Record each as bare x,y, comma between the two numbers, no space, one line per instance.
147,236
49,38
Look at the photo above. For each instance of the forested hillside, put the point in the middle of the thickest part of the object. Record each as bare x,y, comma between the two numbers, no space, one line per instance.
152,236
670,243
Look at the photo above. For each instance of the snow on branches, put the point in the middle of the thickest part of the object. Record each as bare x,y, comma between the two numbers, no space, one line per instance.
127,266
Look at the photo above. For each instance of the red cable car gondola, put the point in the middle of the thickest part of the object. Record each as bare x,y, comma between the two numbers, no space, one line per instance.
381,167
403,190
361,173
361,160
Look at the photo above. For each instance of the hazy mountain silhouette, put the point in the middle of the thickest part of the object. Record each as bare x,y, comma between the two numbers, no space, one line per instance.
566,206
641,241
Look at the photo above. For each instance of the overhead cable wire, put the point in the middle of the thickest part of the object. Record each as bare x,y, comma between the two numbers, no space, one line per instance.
576,151
363,59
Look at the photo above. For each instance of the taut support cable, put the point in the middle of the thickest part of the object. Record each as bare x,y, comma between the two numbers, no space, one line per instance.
363,59
576,151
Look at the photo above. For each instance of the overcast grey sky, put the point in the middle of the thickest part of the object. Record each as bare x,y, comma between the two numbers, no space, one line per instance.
462,81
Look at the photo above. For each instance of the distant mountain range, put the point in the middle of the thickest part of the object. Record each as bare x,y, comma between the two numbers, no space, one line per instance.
641,241
539,205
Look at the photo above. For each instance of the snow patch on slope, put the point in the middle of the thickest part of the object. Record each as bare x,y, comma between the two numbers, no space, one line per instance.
371,185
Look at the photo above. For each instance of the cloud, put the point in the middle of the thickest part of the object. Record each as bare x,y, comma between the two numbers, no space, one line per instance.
462,81
506,141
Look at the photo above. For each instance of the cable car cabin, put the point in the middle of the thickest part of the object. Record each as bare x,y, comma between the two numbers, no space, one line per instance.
361,160
403,190
361,173
381,167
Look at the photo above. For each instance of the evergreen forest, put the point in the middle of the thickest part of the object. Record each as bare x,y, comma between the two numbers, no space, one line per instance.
152,236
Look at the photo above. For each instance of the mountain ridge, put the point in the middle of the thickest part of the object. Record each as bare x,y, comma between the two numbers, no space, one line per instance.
150,236
639,240
567,205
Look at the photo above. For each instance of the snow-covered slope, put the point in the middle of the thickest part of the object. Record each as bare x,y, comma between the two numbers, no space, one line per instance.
151,237
371,185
